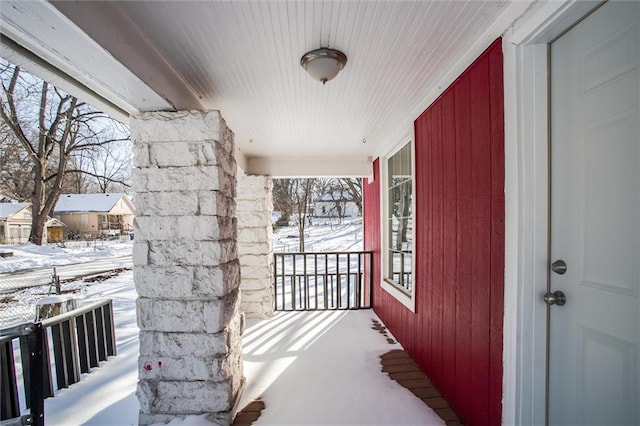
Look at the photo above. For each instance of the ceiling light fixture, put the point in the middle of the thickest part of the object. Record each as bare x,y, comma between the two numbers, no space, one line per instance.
323,64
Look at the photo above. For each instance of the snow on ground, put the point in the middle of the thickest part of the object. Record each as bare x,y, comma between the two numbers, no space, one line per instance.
308,367
107,395
326,234
29,256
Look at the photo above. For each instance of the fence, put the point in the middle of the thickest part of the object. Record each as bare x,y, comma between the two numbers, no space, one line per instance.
19,294
80,340
321,281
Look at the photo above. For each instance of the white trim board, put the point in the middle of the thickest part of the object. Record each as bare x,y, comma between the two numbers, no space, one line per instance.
526,206
407,300
76,67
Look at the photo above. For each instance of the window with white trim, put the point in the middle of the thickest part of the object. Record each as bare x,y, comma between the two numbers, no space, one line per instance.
398,217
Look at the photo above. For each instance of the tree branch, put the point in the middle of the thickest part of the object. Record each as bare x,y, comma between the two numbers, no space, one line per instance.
95,175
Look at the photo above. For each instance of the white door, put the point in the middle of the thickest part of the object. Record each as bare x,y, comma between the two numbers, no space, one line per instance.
594,352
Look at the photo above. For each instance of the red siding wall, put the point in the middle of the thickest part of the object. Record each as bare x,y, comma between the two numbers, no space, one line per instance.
456,333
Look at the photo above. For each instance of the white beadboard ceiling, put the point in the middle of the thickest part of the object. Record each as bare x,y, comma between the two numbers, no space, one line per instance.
242,57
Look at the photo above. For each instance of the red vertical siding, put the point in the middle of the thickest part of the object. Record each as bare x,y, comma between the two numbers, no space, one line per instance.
456,332
372,224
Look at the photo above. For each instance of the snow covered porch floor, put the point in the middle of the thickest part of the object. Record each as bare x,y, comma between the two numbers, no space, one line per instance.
323,367
317,368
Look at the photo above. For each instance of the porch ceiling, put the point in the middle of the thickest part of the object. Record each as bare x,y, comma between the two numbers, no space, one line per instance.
243,59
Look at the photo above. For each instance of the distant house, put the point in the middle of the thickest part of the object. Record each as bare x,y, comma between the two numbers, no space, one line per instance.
95,214
335,204
15,223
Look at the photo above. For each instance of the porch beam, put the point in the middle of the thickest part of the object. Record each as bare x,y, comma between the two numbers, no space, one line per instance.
38,37
282,167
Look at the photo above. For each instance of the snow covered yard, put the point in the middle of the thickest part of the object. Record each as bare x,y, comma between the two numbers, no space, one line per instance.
28,256
27,276
326,234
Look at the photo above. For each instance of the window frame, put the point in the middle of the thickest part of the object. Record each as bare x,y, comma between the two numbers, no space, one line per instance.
407,298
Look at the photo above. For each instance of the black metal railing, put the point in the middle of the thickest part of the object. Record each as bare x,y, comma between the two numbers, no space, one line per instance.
31,338
80,338
322,281
400,262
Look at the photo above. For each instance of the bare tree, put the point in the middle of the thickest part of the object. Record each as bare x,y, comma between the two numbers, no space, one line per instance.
110,165
15,167
51,127
77,183
401,211
282,200
301,193
354,188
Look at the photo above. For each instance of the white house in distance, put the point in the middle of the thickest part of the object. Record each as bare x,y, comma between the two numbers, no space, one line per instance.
335,204
15,223
95,214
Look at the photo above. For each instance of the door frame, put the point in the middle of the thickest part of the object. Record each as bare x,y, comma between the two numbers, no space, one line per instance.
527,206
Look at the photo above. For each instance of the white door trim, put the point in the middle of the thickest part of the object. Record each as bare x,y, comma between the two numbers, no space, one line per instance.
527,205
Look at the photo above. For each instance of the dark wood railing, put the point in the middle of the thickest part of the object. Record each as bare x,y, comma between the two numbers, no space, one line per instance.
322,281
81,339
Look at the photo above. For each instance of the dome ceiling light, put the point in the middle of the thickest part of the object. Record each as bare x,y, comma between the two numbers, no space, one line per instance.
323,64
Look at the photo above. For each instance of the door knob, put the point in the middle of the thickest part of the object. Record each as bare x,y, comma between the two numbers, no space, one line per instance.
559,267
555,298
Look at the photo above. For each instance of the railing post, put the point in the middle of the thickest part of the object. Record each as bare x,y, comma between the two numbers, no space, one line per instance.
338,283
348,280
315,276
275,281
325,281
358,297
102,343
283,282
83,344
9,405
109,329
306,282
370,254
36,394
293,284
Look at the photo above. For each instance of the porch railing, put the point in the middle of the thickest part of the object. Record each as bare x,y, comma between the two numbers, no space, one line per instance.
322,281
81,339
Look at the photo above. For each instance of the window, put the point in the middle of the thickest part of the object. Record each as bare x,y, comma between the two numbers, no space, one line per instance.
14,232
84,219
398,229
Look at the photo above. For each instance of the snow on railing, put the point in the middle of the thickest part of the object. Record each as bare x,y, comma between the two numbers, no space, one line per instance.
322,281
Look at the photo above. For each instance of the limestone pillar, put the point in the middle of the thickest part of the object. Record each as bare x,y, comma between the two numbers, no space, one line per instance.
186,268
254,208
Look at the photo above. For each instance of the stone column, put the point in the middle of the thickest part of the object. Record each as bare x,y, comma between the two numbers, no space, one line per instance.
186,266
254,245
